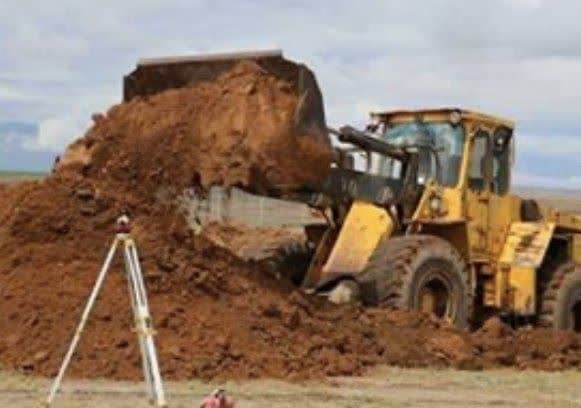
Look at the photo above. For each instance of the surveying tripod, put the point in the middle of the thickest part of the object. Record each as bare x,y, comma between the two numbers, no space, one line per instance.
140,307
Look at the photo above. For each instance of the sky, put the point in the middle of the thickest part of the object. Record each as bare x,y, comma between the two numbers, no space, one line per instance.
62,60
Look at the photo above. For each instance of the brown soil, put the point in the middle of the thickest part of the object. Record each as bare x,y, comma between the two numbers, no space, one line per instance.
217,316
236,130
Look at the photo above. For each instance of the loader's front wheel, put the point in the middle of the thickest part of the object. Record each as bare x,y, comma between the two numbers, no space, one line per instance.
561,303
422,273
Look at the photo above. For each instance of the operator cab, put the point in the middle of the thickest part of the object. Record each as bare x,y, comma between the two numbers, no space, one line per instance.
439,136
410,152
439,146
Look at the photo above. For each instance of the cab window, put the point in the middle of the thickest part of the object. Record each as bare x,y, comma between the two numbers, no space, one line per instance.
445,138
501,160
478,161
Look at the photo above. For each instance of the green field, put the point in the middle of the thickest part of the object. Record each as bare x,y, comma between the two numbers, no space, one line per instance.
16,176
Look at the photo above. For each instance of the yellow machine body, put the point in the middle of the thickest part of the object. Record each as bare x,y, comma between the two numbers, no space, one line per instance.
576,248
526,244
503,252
524,251
347,251
364,226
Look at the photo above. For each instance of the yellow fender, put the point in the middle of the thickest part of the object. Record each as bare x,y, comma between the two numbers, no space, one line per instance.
362,229
523,252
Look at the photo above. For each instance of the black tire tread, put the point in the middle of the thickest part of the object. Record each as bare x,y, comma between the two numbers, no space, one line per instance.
550,297
391,263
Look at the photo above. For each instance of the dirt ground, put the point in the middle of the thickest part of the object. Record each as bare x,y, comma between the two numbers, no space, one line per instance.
61,228
386,387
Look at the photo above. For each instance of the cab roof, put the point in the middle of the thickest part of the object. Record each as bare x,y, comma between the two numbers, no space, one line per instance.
436,113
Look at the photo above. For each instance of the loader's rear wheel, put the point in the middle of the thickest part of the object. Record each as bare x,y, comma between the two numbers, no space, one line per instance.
292,260
577,316
561,302
419,272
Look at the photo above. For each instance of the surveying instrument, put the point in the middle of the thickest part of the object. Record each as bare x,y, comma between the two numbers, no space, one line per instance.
140,307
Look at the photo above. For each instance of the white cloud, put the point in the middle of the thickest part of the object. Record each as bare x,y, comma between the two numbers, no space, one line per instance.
532,4
10,93
549,145
522,60
56,133
70,122
35,39
12,137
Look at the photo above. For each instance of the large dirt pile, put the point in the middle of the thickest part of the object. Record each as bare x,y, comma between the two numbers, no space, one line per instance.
217,316
236,130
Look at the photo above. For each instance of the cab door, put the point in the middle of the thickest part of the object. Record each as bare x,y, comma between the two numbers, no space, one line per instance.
478,195
503,208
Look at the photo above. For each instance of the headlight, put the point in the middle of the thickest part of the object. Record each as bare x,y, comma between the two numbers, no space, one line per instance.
455,118
436,204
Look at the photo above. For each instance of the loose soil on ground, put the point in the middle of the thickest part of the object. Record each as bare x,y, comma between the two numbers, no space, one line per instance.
218,316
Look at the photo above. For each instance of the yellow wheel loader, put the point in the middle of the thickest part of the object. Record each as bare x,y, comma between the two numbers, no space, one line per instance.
419,210
431,225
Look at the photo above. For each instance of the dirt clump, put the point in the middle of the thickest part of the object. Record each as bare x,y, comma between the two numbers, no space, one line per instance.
450,347
530,348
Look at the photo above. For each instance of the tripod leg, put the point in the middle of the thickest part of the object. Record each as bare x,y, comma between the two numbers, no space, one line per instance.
157,382
100,279
130,268
147,326
139,276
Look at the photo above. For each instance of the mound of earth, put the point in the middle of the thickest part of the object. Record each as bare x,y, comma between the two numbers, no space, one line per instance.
216,314
236,130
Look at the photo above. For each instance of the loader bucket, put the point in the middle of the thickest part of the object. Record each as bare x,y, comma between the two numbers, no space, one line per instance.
152,76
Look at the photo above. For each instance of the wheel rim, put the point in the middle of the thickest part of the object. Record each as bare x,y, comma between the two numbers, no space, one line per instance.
434,298
576,316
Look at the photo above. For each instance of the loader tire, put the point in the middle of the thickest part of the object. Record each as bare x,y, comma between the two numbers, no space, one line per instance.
419,272
561,301
291,261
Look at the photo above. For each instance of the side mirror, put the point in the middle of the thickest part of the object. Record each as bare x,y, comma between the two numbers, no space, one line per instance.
501,140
